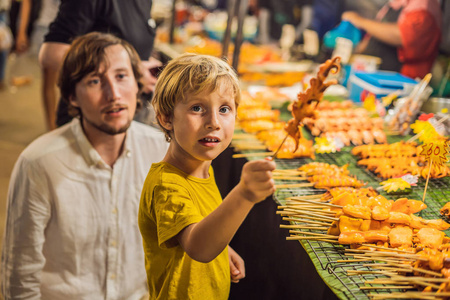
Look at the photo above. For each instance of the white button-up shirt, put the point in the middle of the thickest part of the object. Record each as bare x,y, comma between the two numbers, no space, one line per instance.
71,230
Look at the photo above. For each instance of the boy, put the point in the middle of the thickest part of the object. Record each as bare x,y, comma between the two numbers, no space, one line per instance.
185,225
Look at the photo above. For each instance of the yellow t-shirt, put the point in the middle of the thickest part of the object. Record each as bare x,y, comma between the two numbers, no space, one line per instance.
170,201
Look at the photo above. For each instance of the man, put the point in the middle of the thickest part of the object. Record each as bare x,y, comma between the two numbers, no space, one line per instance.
129,20
71,230
405,35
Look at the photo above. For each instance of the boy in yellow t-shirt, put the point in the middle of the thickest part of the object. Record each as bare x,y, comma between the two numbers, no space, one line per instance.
185,225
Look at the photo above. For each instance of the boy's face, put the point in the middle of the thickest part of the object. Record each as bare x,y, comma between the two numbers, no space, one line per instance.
107,99
203,124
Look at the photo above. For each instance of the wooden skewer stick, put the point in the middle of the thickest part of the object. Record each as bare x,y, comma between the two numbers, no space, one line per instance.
303,227
391,254
305,205
279,147
317,211
241,155
242,147
311,214
357,272
385,248
351,260
312,238
401,296
314,202
378,258
306,197
303,216
289,171
294,185
406,280
278,177
387,287
328,236
306,221
428,279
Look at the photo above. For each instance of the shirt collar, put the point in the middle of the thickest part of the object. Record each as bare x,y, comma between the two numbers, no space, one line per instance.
89,153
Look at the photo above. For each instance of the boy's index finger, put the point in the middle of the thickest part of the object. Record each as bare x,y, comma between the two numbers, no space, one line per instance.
263,165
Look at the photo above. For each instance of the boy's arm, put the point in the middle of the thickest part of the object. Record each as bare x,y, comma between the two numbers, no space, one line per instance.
205,240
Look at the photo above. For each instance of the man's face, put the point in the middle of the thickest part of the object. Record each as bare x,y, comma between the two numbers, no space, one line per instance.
107,98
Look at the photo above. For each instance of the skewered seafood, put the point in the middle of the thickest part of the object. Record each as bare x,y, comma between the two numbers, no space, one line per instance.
307,101
445,210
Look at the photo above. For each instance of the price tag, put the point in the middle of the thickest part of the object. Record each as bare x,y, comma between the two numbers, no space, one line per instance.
436,152
425,131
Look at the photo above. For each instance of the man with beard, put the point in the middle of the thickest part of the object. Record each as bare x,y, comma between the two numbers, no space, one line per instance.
71,229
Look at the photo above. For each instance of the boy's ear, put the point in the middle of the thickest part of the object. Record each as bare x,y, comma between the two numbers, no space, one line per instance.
165,121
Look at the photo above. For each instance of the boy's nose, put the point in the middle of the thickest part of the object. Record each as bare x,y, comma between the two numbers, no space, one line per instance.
213,121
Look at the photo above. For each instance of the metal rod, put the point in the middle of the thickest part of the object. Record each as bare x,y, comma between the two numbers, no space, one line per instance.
172,23
243,6
231,10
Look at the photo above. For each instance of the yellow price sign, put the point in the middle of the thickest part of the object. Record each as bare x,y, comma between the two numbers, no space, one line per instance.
436,151
425,131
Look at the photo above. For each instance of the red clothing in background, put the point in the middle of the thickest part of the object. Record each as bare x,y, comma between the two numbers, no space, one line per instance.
420,29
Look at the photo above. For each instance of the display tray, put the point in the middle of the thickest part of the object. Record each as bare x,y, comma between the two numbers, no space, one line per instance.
326,256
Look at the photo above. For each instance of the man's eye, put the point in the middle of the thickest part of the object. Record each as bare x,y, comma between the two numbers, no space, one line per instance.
94,81
121,76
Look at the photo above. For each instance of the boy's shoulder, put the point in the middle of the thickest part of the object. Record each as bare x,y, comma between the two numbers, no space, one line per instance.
164,173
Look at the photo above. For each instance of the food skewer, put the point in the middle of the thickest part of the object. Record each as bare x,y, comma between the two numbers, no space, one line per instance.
243,155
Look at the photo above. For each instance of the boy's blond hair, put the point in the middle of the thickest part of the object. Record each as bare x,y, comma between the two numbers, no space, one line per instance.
191,74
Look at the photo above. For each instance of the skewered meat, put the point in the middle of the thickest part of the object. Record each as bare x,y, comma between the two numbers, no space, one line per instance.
400,236
357,211
430,237
408,206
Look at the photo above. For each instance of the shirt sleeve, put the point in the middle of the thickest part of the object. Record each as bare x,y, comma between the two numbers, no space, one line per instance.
174,210
74,18
420,36
28,212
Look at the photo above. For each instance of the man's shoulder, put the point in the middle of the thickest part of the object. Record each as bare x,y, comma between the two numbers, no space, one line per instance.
143,131
49,143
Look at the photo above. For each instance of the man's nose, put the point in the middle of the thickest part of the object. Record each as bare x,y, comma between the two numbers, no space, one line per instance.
111,89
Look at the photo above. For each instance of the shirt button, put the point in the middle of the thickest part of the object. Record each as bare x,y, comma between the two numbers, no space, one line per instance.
114,211
113,243
113,276
128,153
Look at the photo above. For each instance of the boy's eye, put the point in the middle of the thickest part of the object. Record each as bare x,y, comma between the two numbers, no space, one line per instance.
196,108
225,109
121,75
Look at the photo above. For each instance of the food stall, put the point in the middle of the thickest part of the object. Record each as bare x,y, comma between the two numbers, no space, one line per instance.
287,247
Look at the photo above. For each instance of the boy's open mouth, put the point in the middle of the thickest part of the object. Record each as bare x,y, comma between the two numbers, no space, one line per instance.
210,140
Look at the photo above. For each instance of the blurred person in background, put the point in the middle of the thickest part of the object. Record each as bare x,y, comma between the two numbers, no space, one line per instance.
405,35
129,20
71,224
4,51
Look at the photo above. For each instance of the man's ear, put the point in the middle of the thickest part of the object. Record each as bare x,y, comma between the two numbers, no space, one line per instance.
73,101
165,121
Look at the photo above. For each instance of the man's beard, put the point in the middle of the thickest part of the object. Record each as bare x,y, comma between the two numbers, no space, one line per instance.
108,129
